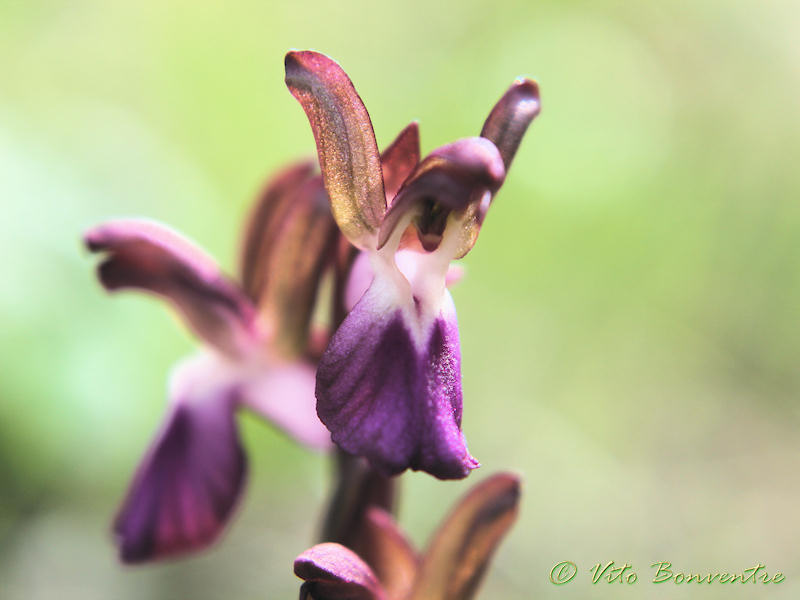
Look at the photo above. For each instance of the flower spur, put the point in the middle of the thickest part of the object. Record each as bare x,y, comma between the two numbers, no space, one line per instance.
389,384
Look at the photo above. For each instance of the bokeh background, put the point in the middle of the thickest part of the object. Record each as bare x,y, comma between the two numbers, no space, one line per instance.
630,319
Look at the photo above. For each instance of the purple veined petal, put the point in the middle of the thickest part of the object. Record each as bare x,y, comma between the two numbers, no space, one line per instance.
332,572
346,146
459,552
389,386
400,159
147,255
454,179
188,483
264,223
510,117
283,394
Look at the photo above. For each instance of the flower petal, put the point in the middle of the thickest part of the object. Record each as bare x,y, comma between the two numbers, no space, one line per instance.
332,572
454,178
284,396
348,153
457,557
188,483
386,549
146,255
390,391
304,249
400,159
265,221
510,117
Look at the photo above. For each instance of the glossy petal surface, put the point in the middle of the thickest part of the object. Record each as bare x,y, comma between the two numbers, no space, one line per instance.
346,146
149,256
189,481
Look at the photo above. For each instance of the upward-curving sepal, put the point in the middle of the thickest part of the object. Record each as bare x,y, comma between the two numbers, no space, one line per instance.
460,551
510,117
333,572
189,481
348,152
146,255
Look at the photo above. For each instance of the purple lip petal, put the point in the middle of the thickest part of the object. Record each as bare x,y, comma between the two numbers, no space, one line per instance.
458,555
399,159
348,153
284,396
188,483
332,572
388,552
149,256
510,117
391,400
264,223
455,177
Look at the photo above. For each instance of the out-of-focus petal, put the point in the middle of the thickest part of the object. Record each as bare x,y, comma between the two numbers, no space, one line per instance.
265,222
457,557
510,117
149,256
453,178
348,153
303,249
386,550
391,392
332,572
189,481
399,159
284,396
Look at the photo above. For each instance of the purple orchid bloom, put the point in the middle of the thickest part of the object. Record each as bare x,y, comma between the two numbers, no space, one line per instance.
389,384
257,354
260,349
384,566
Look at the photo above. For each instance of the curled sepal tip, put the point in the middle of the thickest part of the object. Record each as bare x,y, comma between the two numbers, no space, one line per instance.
348,152
510,117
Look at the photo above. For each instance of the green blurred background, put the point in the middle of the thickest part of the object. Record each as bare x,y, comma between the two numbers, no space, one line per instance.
629,318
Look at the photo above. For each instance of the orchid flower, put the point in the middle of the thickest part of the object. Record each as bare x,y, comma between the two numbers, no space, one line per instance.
389,384
255,355
384,566
259,352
